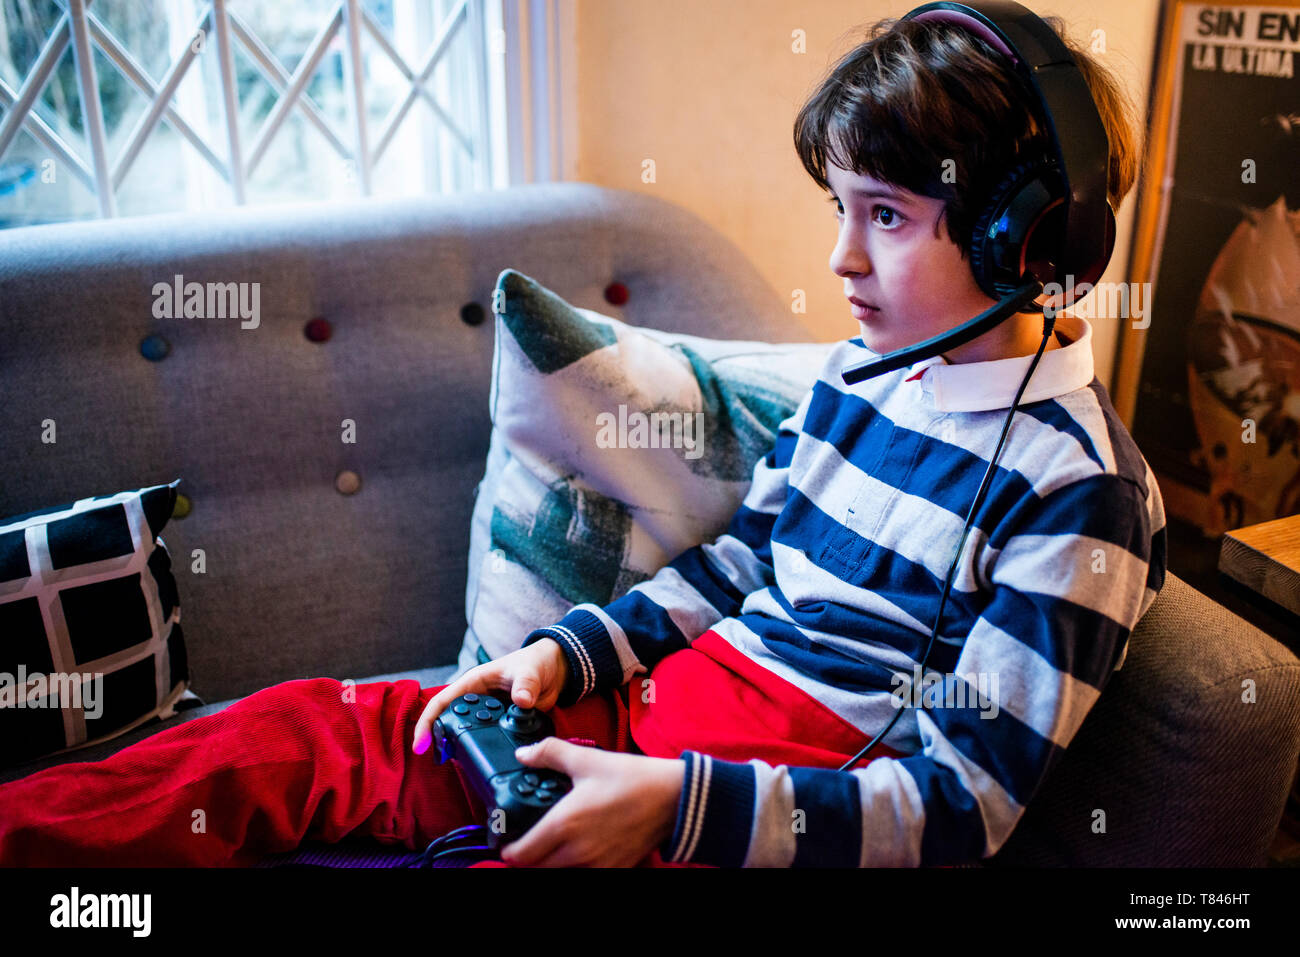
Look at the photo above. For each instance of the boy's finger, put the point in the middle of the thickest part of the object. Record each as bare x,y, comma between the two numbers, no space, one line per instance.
554,753
437,704
424,727
539,843
562,855
524,692
477,680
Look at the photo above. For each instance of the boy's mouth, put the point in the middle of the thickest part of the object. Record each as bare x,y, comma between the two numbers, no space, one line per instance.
861,310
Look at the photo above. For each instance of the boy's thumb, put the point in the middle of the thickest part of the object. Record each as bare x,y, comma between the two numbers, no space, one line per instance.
525,692
547,753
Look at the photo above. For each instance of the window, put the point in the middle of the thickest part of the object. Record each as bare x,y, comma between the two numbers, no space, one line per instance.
126,107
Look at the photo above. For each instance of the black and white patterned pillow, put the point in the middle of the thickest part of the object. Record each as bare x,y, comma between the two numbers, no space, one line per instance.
90,637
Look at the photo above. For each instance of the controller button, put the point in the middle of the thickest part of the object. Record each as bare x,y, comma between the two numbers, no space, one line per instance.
522,788
483,714
546,796
460,708
492,703
471,698
532,778
464,725
550,784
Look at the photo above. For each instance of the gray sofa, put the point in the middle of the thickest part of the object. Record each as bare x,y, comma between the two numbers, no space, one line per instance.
303,580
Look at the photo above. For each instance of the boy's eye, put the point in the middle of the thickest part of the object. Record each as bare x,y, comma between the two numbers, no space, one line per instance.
892,218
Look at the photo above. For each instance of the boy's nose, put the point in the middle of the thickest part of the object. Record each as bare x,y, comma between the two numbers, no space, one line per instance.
848,258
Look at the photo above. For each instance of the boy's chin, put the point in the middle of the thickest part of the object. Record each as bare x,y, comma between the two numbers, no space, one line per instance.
872,339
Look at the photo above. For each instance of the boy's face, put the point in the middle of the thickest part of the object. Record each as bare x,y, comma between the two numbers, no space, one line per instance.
893,253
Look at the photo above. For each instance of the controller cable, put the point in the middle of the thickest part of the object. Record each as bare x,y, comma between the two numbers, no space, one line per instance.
453,843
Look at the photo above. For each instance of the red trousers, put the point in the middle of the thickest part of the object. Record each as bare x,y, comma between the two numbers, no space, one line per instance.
319,760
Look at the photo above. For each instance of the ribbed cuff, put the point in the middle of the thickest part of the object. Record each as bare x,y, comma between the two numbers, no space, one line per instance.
715,814
591,656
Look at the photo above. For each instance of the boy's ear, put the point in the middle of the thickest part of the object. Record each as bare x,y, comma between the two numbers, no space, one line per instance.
940,222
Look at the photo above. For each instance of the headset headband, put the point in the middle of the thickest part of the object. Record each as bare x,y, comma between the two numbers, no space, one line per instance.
1083,157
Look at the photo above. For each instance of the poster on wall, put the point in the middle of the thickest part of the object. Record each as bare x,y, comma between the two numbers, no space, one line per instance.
1211,386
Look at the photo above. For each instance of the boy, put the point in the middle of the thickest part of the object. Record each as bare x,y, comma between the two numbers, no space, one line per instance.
754,666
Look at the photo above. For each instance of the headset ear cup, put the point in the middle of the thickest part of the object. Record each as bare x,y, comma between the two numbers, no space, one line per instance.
1095,270
1024,194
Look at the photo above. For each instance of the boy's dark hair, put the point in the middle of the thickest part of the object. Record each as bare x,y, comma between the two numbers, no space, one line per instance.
915,94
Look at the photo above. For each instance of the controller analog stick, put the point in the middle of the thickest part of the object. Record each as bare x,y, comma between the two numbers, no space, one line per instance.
521,720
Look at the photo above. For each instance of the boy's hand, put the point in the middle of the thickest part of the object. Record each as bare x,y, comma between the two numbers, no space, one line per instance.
621,808
534,677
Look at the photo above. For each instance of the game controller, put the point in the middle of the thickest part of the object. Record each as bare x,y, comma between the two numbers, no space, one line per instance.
480,732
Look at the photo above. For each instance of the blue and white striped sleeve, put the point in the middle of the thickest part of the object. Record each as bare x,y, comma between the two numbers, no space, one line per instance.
606,646
1071,574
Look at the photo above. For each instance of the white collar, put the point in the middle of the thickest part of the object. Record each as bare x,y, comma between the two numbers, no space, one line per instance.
982,386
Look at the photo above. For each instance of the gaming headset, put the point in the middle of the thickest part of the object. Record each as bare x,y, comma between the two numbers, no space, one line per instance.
1048,219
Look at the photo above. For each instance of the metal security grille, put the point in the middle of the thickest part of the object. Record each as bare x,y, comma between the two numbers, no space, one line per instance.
217,31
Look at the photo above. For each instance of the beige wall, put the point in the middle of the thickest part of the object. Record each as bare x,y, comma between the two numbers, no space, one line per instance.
708,89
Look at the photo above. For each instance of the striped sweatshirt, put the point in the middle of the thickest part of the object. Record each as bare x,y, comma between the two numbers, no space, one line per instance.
829,576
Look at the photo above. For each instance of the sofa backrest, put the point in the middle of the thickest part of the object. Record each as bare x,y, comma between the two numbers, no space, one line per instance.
300,578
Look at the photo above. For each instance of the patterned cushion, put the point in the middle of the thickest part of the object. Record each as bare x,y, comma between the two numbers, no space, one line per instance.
613,450
90,640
